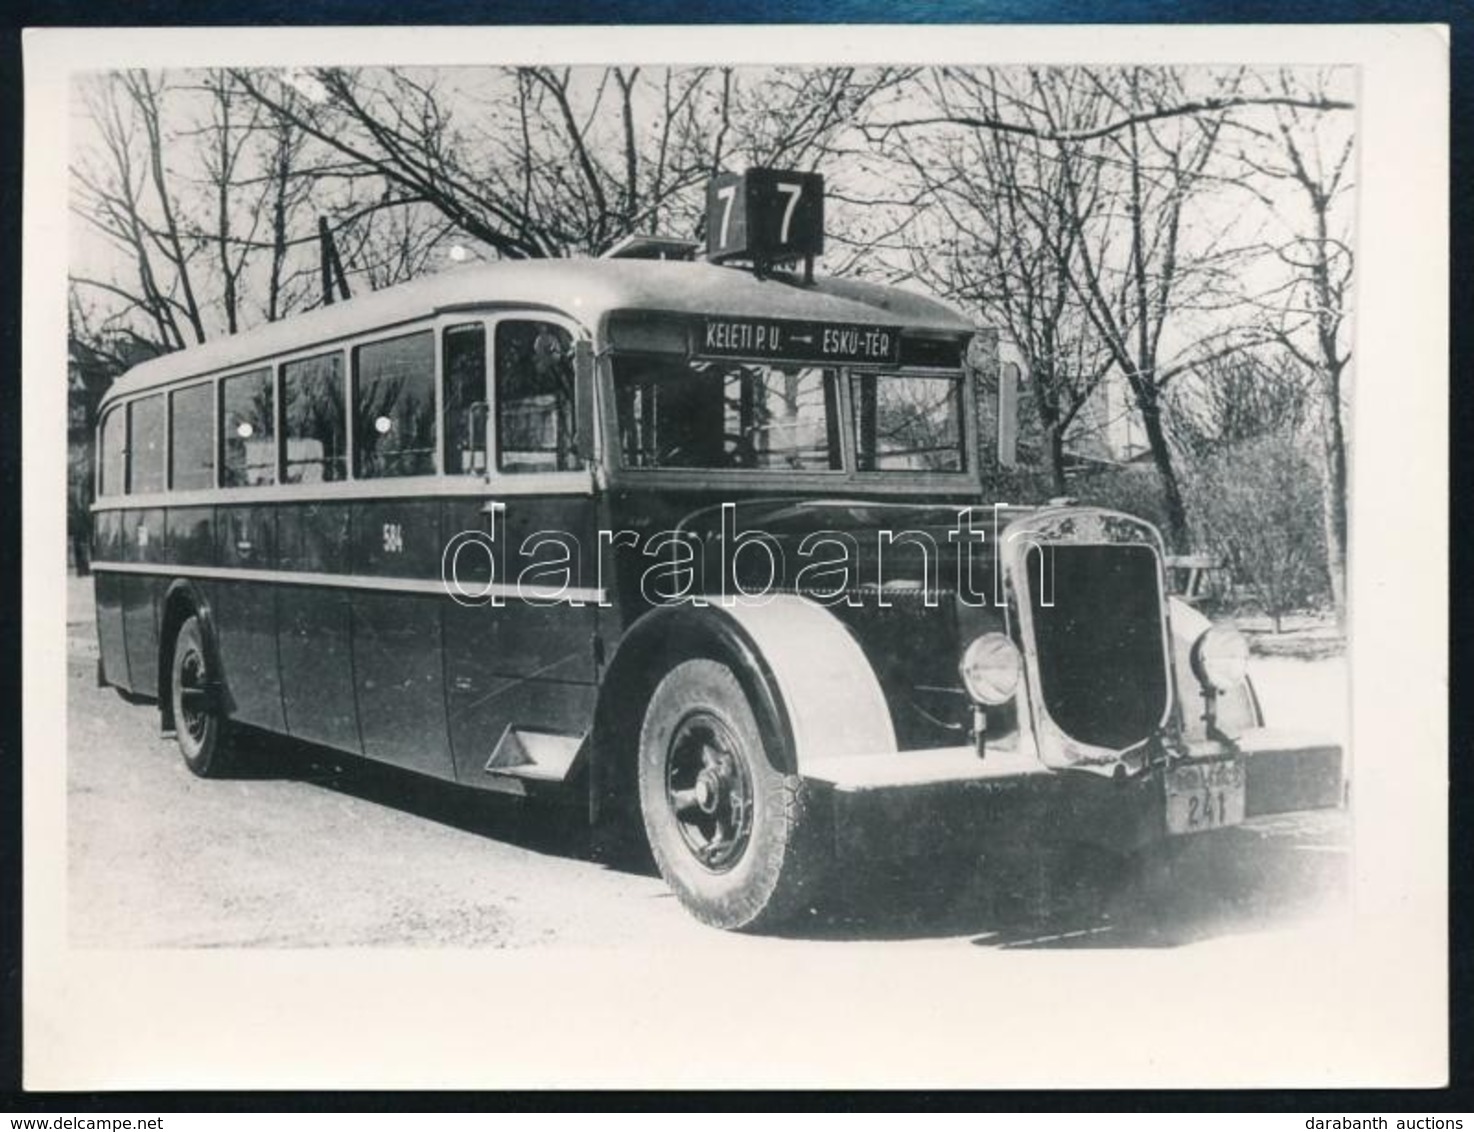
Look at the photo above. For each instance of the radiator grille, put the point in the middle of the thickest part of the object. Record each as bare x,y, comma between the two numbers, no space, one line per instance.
1099,642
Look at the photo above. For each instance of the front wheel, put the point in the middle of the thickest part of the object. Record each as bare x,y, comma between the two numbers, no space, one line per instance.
200,725
726,827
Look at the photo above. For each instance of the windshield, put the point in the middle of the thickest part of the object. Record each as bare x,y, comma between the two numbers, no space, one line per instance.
722,414
678,414
907,422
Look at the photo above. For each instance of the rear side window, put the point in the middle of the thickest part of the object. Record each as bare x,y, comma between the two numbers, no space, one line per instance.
248,430
312,411
192,438
113,460
394,407
146,445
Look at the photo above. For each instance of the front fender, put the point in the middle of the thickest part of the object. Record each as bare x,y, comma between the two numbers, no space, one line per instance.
813,690
833,700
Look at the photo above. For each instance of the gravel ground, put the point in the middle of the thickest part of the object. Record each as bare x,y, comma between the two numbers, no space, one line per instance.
318,850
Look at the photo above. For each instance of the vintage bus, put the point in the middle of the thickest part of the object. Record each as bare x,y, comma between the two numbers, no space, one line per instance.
711,550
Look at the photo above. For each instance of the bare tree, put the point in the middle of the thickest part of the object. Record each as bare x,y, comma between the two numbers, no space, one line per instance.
1309,313
1156,277
1139,151
1238,398
1006,245
1256,504
556,161
118,191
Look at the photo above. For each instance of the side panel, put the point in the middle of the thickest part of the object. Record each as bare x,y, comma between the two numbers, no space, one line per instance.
141,633
401,695
108,588
144,539
315,644
398,672
189,536
245,620
514,666
521,663
245,616
314,627
107,546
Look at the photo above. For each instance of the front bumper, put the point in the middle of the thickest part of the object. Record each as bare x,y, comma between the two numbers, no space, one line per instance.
911,803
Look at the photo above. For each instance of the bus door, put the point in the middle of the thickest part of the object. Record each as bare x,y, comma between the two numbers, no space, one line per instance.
520,626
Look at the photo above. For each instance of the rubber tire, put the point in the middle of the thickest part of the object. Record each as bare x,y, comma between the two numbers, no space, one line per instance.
778,871
211,755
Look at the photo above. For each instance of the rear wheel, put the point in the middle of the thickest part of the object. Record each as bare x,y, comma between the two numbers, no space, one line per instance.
199,724
726,827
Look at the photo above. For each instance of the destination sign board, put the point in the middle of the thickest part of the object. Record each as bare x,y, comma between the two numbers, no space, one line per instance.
785,340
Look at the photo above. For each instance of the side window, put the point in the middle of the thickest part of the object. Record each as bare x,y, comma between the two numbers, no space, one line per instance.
146,445
312,418
463,350
394,407
113,460
534,397
248,430
192,437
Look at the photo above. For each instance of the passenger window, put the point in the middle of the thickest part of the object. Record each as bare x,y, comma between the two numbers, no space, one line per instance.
394,407
312,418
146,445
192,438
534,398
463,350
248,410
114,459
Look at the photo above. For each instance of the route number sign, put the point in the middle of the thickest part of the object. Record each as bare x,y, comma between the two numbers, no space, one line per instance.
764,215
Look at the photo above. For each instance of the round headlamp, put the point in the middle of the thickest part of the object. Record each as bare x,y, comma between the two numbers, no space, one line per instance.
990,669
1220,657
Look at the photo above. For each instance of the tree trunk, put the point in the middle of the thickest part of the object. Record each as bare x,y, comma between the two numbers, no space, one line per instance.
1334,494
1151,416
1056,438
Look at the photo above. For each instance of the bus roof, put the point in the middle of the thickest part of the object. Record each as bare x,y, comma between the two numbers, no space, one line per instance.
584,289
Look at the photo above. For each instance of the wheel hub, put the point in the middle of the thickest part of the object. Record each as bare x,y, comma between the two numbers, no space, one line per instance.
709,791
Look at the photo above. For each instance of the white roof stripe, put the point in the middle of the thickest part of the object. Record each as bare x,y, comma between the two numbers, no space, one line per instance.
584,289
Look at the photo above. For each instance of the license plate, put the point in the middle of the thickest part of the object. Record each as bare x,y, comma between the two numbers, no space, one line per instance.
1203,796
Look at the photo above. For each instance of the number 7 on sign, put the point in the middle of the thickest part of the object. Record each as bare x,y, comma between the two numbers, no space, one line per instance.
792,192
726,196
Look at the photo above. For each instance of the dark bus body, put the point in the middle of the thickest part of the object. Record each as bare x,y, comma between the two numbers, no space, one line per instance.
420,527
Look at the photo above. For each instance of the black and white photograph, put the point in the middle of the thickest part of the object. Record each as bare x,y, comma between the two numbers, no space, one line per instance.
666,534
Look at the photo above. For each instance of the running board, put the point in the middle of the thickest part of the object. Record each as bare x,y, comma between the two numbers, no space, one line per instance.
534,756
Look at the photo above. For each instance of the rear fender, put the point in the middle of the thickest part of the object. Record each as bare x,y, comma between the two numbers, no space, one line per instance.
182,600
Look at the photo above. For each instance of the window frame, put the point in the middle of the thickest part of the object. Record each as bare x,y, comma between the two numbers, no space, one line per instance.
441,325
272,377
841,403
120,408
556,482
967,477
967,423
352,347
173,391
161,394
277,363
